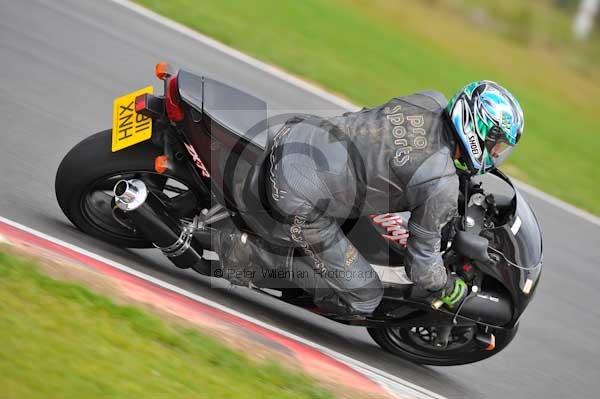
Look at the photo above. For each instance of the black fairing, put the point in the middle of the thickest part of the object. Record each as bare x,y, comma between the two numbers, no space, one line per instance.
515,250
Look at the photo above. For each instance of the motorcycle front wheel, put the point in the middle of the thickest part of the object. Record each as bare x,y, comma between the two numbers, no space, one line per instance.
417,344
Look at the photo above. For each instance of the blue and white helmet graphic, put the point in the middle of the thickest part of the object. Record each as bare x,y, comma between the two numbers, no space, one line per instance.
488,121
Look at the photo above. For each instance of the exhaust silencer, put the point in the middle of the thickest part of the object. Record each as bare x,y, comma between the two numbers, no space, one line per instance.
151,218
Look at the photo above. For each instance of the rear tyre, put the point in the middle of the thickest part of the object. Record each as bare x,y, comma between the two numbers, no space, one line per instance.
87,175
415,344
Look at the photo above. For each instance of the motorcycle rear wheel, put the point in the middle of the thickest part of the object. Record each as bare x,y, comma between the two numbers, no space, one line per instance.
87,175
415,344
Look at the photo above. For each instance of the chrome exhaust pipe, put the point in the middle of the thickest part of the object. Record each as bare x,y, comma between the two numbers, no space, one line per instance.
152,219
130,194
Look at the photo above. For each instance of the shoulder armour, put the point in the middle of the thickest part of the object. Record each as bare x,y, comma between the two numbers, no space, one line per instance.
436,96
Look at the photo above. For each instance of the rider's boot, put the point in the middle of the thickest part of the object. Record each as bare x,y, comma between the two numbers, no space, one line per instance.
244,258
237,260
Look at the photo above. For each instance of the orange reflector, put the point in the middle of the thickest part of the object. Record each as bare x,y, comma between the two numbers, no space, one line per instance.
161,164
492,345
162,70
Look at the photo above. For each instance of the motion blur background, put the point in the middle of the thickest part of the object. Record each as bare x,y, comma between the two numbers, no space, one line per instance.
64,61
546,51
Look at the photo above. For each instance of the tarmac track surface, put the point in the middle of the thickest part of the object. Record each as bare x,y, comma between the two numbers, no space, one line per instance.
63,63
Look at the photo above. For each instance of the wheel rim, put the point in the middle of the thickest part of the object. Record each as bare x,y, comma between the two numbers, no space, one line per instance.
97,204
419,340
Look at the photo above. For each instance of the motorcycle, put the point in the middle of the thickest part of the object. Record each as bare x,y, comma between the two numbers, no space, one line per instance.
177,167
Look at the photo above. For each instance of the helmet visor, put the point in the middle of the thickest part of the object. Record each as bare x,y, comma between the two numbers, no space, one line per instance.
498,150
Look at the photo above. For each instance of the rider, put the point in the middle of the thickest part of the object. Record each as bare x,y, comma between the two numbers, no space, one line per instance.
404,155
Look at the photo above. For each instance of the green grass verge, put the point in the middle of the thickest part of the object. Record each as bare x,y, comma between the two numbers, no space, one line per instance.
60,340
370,51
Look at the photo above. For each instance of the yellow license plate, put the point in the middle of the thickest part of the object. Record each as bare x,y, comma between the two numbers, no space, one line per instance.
129,127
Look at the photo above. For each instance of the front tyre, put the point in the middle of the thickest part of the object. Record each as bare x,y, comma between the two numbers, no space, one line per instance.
87,175
416,344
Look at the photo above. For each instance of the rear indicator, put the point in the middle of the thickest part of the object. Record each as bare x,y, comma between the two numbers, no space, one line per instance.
173,101
162,70
161,164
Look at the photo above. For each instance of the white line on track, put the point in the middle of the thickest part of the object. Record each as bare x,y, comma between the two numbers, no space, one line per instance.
302,84
395,385
588,217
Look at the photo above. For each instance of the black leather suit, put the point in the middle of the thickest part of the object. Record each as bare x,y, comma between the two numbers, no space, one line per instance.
391,158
